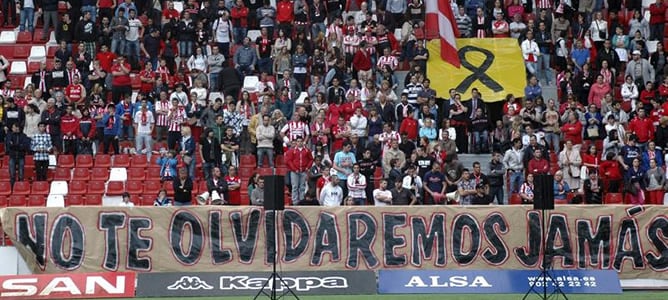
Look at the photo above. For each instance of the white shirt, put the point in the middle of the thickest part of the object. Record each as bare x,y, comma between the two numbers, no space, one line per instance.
377,193
133,32
126,204
356,186
222,29
358,125
331,196
144,127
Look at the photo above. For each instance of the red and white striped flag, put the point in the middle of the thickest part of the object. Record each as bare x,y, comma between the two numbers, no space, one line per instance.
439,18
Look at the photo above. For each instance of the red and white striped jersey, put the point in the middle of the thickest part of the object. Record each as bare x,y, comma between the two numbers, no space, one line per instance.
546,4
351,44
6,93
163,73
334,29
356,93
390,60
176,117
160,106
293,129
371,41
387,137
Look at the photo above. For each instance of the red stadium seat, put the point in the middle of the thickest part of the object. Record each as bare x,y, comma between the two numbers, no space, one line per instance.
515,199
40,188
138,161
613,198
152,187
5,188
36,200
21,188
94,200
99,173
134,187
21,52
77,187
137,174
4,175
95,187
103,161
24,37
265,171
33,67
146,200
65,161
115,188
72,200
84,161
81,174
30,162
153,173
17,201
121,161
3,203
63,174
247,160
169,187
246,172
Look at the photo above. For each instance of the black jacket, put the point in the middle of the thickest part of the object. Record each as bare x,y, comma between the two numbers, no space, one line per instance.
18,144
206,146
183,193
220,187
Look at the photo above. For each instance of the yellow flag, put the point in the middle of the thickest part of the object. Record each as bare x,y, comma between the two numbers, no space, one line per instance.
495,66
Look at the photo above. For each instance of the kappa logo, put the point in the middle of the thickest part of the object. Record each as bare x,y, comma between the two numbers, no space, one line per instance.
190,283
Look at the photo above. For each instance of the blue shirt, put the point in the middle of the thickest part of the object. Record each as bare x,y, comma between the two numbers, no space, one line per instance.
533,92
557,194
340,158
580,55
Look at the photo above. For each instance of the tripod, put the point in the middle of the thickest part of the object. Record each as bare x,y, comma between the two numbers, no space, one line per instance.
274,202
546,268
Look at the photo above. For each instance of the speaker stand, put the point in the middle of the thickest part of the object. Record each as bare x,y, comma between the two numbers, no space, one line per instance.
546,269
275,278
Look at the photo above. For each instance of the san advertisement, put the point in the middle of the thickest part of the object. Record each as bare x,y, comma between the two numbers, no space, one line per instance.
68,286
496,281
248,284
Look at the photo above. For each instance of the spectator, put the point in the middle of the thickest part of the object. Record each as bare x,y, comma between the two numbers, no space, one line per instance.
245,59
162,199
561,187
257,195
239,14
634,180
357,184
331,194
267,17
657,20
70,126
183,187
299,160
125,201
18,145
41,146
527,190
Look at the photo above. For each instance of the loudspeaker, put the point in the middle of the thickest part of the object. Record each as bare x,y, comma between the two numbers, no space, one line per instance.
274,198
543,192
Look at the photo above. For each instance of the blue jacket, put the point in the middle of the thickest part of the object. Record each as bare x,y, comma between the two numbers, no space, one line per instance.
166,162
189,147
120,110
286,107
644,163
115,129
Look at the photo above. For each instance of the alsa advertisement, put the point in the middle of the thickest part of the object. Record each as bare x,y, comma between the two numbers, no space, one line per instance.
68,286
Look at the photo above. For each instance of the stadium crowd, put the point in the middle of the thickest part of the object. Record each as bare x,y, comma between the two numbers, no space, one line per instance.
329,101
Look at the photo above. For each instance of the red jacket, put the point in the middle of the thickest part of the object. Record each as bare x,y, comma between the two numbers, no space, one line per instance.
610,170
285,12
239,16
643,128
572,132
299,160
362,60
538,166
657,14
410,127
69,124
